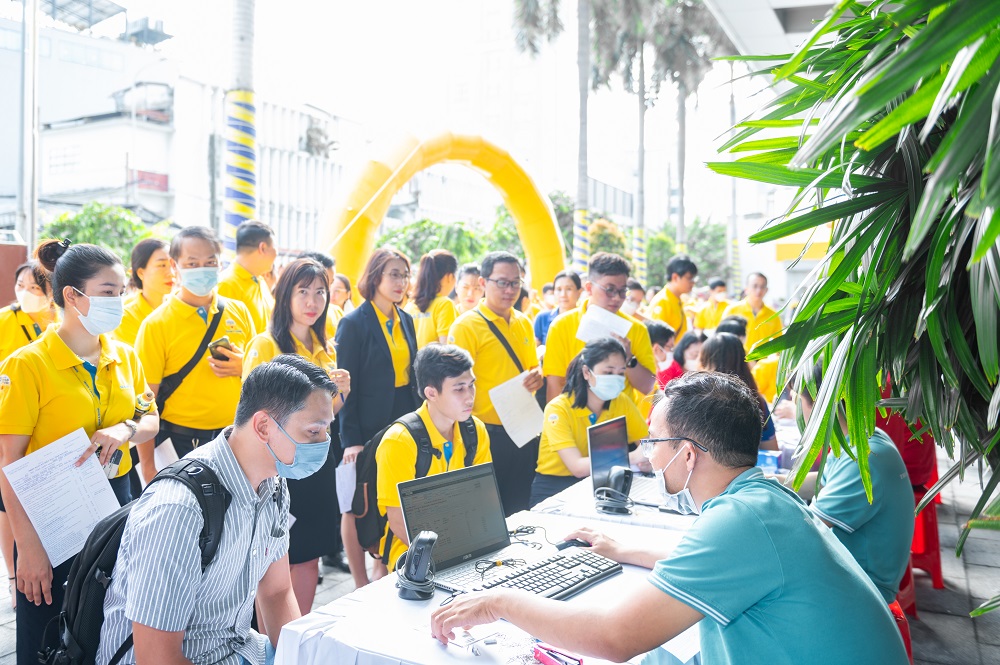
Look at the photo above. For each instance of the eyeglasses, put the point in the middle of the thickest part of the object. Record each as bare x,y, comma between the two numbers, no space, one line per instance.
646,445
612,291
505,285
398,276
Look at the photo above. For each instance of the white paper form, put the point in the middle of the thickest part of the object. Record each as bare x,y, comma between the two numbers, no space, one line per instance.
347,481
519,412
598,322
62,501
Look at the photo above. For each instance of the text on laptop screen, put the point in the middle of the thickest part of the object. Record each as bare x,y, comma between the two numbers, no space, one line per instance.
608,446
462,507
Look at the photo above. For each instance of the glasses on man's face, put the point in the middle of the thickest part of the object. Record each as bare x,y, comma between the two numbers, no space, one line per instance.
505,285
613,292
646,445
398,276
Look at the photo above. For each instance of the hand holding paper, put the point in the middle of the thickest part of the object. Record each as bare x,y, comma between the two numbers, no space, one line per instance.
518,410
598,322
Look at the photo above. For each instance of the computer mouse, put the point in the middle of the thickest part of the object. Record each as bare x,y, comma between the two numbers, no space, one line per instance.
572,542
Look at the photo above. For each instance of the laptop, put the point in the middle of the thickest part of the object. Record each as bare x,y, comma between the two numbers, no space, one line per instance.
607,445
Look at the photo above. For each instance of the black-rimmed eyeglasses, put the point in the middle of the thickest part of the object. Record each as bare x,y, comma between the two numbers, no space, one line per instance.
646,445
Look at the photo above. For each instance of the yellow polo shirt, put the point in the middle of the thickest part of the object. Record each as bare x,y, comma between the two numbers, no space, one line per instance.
397,460
759,328
708,317
492,365
667,307
566,426
398,347
435,322
333,316
167,340
236,283
137,308
264,349
561,346
46,393
765,375
17,329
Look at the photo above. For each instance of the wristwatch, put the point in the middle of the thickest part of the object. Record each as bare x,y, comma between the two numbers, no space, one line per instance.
632,362
132,426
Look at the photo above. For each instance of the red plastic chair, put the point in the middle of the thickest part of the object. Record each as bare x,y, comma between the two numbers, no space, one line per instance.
907,596
925,551
904,627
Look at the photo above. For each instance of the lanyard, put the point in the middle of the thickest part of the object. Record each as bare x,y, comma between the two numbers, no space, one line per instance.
447,455
89,383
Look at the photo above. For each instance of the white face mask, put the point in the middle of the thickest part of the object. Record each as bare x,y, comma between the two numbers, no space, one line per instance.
608,386
32,302
629,307
105,313
200,281
692,365
682,502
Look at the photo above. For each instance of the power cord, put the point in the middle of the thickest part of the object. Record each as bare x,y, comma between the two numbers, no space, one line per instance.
404,582
485,565
521,532
610,500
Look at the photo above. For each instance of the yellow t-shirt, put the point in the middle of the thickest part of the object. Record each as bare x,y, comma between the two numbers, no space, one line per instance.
492,365
566,426
397,459
264,349
167,340
46,393
17,329
236,283
765,374
667,307
759,328
561,346
333,316
137,308
435,322
398,347
708,317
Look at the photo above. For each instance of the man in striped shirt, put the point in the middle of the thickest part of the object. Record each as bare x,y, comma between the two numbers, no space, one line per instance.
159,594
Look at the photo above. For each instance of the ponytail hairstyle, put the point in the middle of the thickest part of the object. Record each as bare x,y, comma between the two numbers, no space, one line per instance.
724,353
38,273
298,273
596,351
434,266
72,266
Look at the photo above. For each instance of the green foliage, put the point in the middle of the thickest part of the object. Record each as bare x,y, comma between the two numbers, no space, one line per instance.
903,162
562,205
419,237
112,227
660,246
706,243
502,235
605,236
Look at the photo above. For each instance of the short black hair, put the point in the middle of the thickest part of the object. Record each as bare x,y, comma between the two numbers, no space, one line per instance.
39,274
72,265
548,288
756,274
718,411
493,258
734,324
594,352
199,232
681,265
436,362
322,258
571,275
606,263
280,387
659,332
250,234
716,282
468,269
634,285
687,340
141,254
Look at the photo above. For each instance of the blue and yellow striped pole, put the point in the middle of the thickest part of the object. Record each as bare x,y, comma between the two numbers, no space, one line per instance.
639,254
240,203
581,241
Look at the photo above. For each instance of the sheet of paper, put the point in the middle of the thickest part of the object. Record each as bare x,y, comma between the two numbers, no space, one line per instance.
63,502
347,480
598,322
165,454
519,412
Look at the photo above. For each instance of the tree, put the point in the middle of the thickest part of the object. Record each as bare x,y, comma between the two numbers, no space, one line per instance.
605,236
707,246
421,236
112,227
562,205
892,131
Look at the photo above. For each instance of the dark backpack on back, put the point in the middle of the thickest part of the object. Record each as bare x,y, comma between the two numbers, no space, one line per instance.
90,575
370,522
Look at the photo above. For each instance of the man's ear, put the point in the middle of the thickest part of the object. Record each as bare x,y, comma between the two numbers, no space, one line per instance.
430,393
588,286
261,424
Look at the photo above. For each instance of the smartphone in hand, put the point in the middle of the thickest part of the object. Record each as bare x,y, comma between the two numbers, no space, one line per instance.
223,342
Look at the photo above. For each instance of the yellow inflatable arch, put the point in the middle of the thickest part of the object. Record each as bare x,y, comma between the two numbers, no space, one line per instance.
350,235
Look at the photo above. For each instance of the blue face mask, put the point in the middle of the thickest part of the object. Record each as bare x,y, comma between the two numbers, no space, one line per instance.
309,457
199,281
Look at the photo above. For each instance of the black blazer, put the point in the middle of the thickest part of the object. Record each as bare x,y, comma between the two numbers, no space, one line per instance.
363,351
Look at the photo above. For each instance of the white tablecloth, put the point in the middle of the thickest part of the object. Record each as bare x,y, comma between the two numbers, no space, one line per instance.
373,626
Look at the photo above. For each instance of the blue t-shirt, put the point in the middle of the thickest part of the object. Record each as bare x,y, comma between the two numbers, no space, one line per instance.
542,323
878,534
776,587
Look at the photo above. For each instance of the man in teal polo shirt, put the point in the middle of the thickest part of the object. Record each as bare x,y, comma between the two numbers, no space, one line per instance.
766,579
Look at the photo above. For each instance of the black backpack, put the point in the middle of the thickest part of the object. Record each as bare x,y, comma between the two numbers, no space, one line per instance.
90,575
370,522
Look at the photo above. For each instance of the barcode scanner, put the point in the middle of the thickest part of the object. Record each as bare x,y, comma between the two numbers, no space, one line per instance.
414,576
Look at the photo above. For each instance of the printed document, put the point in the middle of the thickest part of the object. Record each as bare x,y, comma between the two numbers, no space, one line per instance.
598,322
519,412
62,501
347,481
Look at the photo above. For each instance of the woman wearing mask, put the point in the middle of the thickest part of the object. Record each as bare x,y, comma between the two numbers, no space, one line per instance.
376,344
153,279
298,325
340,292
686,354
434,311
593,393
72,377
724,353
566,287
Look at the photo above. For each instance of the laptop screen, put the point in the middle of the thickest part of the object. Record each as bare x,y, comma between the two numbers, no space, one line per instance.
462,507
608,444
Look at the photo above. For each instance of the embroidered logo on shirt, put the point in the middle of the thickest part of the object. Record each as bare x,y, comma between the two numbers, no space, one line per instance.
4,382
553,417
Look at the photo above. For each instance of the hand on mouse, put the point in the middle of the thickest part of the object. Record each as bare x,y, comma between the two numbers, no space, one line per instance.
599,543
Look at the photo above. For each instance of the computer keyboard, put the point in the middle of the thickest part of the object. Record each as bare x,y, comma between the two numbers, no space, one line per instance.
559,576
